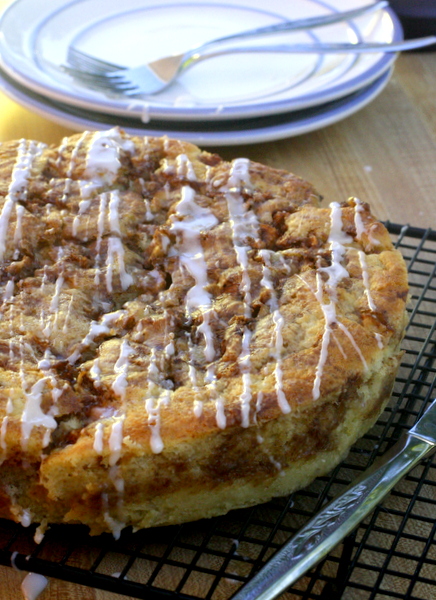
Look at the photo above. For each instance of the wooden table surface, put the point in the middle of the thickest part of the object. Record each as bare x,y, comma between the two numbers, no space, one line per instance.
385,155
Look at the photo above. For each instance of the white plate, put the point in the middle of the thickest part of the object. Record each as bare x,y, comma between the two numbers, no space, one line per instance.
242,131
36,34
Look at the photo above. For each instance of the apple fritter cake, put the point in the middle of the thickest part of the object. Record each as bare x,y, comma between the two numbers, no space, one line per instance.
181,335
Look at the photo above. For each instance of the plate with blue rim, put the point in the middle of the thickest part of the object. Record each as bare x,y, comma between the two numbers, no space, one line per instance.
36,34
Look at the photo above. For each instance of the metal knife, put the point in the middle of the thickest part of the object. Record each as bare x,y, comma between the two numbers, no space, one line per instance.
338,518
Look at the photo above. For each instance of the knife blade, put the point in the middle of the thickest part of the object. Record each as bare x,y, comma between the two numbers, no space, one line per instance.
338,518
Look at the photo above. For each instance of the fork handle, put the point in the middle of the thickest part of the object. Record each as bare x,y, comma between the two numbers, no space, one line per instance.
322,48
302,24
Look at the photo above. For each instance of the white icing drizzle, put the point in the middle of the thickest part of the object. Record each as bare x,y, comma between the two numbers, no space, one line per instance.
239,174
365,278
26,153
278,321
329,312
68,313
22,373
335,273
32,415
8,298
194,220
75,151
148,213
103,158
115,526
211,380
198,408
206,329
33,585
360,228
185,168
192,373
339,345
121,368
39,534
116,249
260,440
87,189
353,343
99,438
74,154
18,235
259,401
266,281
54,304
166,167
45,365
358,222
169,348
84,205
220,414
103,326
96,328
43,285
167,190
115,444
379,339
243,223
95,373
26,518
208,174
244,362
100,232
152,406
330,318
116,440
337,234
61,150
114,220
9,290
3,430
65,192
108,208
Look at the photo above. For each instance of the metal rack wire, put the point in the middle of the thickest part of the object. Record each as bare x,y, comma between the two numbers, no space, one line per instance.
392,554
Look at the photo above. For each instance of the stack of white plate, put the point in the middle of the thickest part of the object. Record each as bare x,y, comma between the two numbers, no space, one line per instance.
230,99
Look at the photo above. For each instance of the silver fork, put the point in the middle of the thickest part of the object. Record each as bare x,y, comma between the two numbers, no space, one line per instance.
156,75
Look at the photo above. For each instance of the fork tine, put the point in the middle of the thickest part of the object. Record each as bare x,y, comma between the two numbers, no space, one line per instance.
100,82
97,77
118,83
89,78
81,60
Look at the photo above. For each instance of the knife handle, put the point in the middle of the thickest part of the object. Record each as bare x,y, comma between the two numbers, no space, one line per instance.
336,520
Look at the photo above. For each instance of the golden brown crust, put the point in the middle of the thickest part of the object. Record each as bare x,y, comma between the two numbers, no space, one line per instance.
181,335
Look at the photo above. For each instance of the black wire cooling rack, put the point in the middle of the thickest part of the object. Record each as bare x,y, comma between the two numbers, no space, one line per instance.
392,554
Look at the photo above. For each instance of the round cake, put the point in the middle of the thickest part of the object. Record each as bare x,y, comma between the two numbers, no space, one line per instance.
180,335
